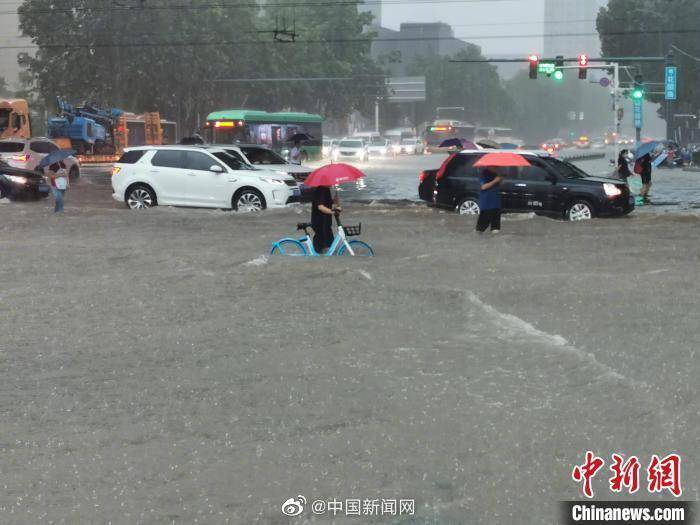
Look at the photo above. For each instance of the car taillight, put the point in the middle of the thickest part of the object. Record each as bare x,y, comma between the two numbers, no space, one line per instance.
21,158
421,177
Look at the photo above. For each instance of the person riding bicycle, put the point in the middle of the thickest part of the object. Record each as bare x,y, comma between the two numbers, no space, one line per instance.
323,208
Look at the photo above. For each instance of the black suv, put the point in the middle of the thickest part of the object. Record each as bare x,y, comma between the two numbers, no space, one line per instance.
549,186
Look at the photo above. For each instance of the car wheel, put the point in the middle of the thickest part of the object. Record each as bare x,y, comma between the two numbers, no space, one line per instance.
579,211
468,206
248,199
140,197
74,174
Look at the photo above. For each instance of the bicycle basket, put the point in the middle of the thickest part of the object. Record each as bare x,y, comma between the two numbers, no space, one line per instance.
351,231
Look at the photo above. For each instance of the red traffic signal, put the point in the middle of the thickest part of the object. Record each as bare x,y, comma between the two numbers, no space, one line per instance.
582,66
534,61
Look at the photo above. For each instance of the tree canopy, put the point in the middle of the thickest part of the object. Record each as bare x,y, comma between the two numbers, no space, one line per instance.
652,28
157,56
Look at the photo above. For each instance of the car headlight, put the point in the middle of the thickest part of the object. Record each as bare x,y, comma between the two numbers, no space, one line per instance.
612,190
270,180
17,178
279,172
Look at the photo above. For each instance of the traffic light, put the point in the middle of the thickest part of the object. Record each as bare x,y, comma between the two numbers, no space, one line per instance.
558,65
534,62
638,91
582,66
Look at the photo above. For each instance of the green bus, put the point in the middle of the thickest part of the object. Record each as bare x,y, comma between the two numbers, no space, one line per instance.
247,126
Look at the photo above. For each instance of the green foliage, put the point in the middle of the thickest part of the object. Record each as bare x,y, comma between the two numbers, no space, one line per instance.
155,56
474,86
650,28
4,91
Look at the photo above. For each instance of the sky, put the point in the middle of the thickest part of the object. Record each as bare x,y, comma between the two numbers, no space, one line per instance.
470,20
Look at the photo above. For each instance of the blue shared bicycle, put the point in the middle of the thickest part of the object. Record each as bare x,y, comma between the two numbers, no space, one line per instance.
341,245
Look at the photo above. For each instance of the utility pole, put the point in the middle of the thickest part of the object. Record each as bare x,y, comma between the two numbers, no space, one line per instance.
376,115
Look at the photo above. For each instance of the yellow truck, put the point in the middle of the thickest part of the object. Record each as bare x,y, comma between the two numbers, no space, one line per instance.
14,119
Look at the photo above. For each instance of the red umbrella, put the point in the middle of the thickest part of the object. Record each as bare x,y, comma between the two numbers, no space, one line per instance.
501,159
333,174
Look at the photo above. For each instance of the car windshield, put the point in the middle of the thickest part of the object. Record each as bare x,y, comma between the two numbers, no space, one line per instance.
565,169
5,118
262,156
231,161
408,141
11,147
350,143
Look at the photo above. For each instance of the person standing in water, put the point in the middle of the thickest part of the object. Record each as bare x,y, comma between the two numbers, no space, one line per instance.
489,201
323,208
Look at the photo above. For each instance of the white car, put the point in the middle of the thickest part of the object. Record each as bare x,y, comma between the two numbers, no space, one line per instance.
412,146
379,148
351,149
27,153
194,176
262,157
328,146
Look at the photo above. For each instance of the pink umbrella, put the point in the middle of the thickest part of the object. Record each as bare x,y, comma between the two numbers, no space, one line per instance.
501,159
333,174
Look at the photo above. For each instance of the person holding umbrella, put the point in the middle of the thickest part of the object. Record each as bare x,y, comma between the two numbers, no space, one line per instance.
324,206
489,201
55,169
489,187
645,173
59,184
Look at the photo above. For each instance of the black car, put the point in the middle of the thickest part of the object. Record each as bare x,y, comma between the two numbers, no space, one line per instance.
16,183
549,187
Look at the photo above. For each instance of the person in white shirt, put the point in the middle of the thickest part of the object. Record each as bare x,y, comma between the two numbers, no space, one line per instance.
295,154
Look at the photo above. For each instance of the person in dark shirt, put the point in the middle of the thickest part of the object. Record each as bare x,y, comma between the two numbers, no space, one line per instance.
645,161
323,207
489,201
623,167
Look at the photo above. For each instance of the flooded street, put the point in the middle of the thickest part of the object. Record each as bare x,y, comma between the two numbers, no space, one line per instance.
167,371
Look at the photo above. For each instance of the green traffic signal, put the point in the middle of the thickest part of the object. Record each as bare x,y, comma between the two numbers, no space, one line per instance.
558,75
638,94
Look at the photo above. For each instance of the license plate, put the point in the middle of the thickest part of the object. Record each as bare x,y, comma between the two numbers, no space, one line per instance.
44,188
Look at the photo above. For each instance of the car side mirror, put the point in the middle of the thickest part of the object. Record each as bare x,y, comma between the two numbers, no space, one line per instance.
216,169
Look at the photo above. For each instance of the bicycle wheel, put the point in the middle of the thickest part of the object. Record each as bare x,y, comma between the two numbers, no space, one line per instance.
288,247
361,249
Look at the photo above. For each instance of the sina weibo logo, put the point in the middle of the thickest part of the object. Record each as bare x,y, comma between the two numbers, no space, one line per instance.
294,506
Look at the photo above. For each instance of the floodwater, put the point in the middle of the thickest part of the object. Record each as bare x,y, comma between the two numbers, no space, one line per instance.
397,179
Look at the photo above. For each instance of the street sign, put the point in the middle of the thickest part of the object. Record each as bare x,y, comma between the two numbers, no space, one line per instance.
546,67
605,82
638,118
671,76
405,89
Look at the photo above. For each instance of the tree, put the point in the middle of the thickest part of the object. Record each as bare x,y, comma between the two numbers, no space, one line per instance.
652,28
474,86
4,91
157,56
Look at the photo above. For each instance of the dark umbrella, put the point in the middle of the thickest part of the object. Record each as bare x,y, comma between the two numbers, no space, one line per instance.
451,143
54,157
489,144
299,137
646,148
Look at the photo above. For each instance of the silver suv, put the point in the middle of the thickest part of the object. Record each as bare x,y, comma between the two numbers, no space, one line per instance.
27,153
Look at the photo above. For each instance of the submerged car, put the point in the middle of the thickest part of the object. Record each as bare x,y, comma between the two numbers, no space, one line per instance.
194,176
17,183
27,154
548,186
351,149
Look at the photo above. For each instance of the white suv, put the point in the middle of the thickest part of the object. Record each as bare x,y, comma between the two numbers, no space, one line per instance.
193,176
27,153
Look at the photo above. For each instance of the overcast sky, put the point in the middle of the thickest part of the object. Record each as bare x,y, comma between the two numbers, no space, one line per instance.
489,19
